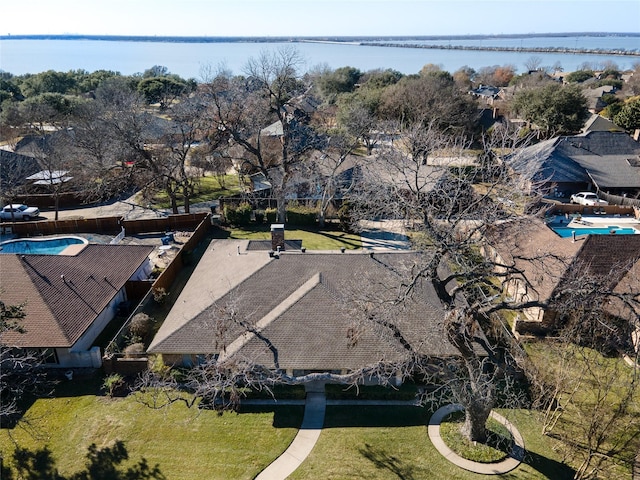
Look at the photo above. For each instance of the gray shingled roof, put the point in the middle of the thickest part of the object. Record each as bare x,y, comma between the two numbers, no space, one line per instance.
600,156
59,310
304,306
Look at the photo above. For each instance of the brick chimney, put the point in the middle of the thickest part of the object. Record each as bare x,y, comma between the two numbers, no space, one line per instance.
277,236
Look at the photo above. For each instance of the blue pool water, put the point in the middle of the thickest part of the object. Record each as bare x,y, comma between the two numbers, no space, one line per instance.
49,246
566,232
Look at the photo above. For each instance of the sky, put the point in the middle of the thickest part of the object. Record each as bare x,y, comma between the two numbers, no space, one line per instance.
317,17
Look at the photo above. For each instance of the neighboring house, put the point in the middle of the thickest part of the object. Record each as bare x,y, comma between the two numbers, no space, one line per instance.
595,104
69,299
541,256
544,260
599,160
485,93
598,123
304,308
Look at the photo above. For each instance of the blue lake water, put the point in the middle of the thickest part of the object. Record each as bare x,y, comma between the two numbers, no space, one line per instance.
189,60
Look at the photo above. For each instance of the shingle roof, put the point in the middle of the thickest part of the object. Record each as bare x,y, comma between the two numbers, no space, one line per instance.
536,251
303,303
64,294
597,155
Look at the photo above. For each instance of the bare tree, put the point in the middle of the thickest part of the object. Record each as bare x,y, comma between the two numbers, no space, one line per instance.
245,107
20,371
587,393
426,181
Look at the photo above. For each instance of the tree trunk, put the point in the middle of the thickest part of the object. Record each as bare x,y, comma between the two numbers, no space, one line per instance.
475,421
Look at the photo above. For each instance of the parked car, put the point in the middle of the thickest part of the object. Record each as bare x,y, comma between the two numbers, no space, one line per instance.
587,198
19,212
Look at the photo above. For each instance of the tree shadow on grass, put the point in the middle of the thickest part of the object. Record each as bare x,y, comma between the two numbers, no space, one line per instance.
102,464
341,239
284,416
548,467
375,416
383,461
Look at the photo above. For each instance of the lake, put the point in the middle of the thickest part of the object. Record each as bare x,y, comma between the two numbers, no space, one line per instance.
188,59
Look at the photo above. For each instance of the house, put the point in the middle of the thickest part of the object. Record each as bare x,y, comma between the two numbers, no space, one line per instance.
594,160
545,261
299,312
69,299
486,93
595,103
597,123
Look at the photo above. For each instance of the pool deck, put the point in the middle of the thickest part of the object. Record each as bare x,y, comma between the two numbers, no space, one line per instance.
598,221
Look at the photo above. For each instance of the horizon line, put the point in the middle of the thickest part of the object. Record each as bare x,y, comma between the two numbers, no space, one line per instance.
293,37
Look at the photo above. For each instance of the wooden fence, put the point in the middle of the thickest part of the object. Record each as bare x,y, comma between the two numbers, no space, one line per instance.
105,225
618,199
572,208
114,360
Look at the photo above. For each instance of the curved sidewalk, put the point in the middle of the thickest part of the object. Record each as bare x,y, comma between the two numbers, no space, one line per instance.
303,443
497,468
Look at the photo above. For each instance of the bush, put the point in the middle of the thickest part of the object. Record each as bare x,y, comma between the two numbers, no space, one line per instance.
112,383
239,216
271,214
134,350
141,325
302,216
259,215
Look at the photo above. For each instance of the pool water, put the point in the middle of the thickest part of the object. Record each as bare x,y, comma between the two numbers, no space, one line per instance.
566,232
49,246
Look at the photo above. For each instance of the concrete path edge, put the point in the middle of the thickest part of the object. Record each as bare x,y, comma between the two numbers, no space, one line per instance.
303,443
508,464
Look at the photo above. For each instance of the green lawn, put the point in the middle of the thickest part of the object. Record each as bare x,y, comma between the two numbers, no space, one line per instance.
357,442
392,443
312,238
208,188
187,444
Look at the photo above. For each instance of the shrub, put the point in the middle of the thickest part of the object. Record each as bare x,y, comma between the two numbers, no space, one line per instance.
111,383
271,214
302,216
239,216
134,350
259,215
141,324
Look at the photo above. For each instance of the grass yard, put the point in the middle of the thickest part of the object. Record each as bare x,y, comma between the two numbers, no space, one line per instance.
312,239
392,442
187,444
208,188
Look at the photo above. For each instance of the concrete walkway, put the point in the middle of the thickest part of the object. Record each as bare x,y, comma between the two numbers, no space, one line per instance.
303,443
497,468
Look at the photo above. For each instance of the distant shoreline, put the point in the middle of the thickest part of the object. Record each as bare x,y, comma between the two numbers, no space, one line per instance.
293,39
577,51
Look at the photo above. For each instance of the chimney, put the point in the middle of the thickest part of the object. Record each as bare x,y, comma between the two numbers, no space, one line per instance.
277,237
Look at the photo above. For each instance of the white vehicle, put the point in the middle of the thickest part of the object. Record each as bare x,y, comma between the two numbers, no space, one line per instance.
587,198
19,212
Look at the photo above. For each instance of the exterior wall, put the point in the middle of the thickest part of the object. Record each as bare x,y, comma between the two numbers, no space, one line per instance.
99,324
78,359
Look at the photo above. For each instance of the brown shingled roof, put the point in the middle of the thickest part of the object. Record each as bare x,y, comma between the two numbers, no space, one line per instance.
64,294
535,250
306,301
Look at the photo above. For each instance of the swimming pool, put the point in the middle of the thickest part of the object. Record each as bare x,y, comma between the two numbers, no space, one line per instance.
42,246
567,232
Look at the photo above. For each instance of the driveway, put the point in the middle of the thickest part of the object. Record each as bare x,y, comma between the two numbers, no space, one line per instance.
127,208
